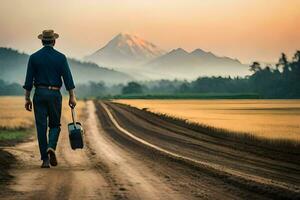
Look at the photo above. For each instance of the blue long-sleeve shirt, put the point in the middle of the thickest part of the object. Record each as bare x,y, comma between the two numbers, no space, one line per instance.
47,67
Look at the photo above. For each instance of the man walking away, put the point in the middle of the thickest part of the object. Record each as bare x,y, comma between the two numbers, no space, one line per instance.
45,71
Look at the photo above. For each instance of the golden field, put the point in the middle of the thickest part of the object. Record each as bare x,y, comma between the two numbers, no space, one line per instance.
14,116
276,119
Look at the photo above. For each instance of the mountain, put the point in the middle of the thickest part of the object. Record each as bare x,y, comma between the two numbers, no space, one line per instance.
144,60
13,68
182,64
125,50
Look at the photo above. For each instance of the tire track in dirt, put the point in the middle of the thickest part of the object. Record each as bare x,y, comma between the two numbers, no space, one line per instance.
184,177
133,177
252,182
246,177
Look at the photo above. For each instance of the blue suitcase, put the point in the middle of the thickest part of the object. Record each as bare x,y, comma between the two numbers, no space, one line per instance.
75,133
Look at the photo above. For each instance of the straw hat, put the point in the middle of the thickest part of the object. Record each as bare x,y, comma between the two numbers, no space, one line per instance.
48,35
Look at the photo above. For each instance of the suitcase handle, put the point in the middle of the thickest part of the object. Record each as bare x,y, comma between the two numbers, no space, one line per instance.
73,117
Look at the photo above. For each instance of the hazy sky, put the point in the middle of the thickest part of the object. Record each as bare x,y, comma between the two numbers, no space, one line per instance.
244,29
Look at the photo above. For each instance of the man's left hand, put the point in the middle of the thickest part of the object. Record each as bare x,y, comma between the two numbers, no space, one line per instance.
28,105
72,101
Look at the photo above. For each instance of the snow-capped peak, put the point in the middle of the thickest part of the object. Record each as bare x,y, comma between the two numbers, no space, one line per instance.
134,45
126,49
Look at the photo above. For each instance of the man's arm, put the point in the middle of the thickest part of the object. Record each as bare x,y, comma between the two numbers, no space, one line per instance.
69,83
72,98
28,85
28,103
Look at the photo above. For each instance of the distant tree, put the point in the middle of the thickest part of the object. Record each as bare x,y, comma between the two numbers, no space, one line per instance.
296,60
98,89
92,89
132,88
184,88
255,67
283,63
294,76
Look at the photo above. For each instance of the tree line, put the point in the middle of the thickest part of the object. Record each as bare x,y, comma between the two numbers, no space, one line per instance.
281,81
10,89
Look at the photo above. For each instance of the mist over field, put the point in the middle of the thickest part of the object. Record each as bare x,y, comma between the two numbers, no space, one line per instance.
94,81
146,61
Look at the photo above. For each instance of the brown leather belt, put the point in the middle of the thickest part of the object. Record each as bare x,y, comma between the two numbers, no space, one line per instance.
48,87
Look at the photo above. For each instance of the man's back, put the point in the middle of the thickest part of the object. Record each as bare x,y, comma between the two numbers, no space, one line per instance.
46,67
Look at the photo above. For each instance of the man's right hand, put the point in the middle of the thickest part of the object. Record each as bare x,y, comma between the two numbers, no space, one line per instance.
28,105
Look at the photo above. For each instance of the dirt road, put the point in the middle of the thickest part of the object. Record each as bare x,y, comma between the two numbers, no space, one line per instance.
228,166
76,176
103,170
132,155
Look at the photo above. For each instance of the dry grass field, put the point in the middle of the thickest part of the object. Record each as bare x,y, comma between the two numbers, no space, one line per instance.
13,115
14,119
276,119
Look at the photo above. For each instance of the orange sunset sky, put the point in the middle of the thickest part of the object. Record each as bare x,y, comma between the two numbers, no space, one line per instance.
245,29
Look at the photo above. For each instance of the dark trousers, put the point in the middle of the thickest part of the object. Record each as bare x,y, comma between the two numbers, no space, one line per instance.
47,111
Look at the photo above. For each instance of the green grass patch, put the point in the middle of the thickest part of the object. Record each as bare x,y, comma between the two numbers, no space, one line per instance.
9,135
190,96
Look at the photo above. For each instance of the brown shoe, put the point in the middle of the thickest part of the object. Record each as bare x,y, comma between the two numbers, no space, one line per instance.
45,164
52,156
